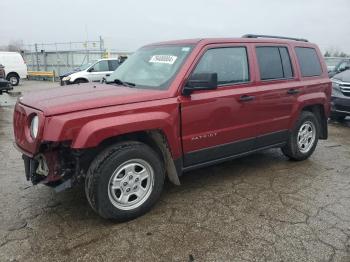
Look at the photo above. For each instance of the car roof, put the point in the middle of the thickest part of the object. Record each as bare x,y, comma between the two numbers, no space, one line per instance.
111,58
8,52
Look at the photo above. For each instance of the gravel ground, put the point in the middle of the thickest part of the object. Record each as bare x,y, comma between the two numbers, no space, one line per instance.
258,208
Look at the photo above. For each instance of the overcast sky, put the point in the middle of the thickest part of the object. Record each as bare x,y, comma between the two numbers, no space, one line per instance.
129,24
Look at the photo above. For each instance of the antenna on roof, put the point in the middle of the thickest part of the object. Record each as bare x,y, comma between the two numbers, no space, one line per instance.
273,36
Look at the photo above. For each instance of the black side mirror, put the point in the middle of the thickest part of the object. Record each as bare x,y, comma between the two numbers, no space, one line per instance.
202,81
91,70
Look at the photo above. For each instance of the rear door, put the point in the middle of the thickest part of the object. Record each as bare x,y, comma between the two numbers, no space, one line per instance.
219,123
278,89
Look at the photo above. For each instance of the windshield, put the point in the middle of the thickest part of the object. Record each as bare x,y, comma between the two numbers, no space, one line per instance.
151,67
332,61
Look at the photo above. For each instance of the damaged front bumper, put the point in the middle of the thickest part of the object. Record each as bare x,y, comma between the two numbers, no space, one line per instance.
57,169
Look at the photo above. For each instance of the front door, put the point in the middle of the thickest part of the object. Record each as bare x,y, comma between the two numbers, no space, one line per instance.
98,71
219,123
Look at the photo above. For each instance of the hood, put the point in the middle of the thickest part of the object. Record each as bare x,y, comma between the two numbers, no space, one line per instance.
73,98
70,72
343,76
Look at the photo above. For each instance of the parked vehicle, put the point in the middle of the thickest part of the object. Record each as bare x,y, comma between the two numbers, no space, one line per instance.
15,66
5,86
342,65
331,62
91,72
170,108
340,96
2,72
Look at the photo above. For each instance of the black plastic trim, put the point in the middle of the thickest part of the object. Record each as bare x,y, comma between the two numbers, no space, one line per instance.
220,160
236,148
272,138
220,151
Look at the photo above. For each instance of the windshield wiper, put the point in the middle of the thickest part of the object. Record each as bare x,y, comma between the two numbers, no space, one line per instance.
120,82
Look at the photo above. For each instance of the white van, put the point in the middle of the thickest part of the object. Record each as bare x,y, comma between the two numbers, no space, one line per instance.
15,66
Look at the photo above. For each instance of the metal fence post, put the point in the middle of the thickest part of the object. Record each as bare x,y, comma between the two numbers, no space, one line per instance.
45,60
58,61
37,57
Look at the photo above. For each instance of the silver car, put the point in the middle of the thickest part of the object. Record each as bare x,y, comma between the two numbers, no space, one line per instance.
92,72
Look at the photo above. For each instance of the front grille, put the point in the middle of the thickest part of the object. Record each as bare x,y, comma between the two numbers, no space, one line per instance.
345,88
19,124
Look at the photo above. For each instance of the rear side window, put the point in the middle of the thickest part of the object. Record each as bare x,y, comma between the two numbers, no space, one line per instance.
230,63
308,61
113,64
274,63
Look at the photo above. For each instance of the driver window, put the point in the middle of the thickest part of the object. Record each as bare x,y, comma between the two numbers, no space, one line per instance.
230,63
101,66
343,66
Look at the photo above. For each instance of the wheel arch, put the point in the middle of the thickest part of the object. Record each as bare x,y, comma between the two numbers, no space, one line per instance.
318,104
319,111
81,78
12,73
156,139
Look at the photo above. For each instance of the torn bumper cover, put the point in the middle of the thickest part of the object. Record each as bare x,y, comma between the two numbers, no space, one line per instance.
49,169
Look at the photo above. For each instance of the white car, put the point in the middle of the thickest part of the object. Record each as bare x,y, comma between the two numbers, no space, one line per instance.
15,66
91,72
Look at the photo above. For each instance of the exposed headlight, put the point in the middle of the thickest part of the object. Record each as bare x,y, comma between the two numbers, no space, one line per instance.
336,88
335,84
34,126
66,78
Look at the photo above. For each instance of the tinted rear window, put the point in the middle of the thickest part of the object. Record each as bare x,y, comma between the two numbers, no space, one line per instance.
274,62
308,61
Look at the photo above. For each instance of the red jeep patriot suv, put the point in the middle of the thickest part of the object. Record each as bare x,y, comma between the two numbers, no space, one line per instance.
170,108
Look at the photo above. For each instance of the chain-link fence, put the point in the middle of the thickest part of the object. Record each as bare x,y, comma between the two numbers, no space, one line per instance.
63,57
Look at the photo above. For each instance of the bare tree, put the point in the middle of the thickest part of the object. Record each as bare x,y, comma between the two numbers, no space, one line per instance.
327,54
334,52
13,46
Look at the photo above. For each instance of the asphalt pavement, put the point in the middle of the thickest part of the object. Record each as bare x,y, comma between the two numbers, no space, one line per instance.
258,208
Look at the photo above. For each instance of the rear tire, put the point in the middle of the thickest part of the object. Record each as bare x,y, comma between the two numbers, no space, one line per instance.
13,79
124,181
303,138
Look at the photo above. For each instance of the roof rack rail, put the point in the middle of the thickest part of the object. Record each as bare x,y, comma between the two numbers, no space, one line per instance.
273,36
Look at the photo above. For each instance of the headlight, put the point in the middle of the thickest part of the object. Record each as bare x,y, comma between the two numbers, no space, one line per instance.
66,78
335,84
34,126
336,88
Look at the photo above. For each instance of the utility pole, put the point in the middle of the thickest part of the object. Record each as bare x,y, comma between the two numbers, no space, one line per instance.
102,47
37,57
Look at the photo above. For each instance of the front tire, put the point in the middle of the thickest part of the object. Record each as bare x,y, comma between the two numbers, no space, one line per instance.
303,138
13,79
125,181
